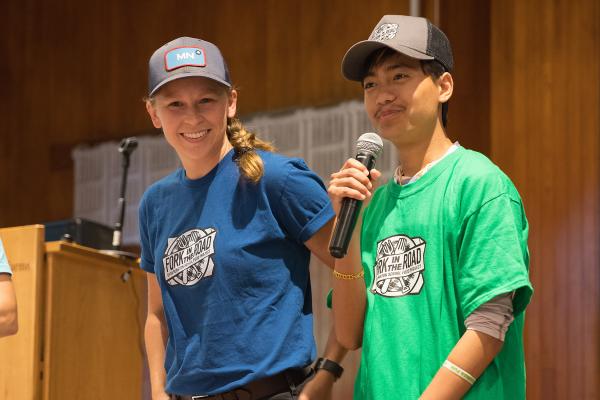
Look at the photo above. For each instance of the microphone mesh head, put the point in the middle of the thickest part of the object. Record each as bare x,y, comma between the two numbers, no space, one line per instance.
369,143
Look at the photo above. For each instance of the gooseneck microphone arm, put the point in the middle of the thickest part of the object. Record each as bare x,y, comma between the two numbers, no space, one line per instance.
127,146
369,147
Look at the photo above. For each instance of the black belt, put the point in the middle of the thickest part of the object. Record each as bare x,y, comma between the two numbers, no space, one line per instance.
260,388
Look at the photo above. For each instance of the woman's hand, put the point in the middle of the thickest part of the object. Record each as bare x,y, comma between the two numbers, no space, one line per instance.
351,181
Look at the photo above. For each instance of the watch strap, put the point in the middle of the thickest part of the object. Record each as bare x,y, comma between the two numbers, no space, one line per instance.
328,365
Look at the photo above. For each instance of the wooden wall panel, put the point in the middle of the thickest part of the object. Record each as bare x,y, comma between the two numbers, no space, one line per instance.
466,23
545,87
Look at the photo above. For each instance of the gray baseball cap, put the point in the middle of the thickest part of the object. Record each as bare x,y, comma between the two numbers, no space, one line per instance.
185,57
414,37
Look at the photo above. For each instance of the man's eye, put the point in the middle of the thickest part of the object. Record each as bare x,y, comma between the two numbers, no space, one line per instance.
368,85
400,76
205,100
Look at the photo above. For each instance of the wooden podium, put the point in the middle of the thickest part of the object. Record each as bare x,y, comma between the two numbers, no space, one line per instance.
80,322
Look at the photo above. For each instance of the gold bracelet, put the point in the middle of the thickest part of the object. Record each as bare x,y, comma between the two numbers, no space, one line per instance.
348,277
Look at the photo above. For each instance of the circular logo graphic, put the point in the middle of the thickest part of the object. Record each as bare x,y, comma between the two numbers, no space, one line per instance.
399,266
188,257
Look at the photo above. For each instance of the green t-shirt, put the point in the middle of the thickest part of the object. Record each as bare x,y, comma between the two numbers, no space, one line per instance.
433,251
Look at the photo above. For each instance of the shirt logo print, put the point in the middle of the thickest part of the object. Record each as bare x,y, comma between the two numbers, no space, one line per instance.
399,266
189,257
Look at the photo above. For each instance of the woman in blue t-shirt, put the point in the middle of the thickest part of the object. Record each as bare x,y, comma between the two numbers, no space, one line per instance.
226,240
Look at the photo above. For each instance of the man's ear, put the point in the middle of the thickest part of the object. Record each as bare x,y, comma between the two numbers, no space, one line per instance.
446,86
152,113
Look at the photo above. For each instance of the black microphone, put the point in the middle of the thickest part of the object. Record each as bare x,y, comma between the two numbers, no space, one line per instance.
368,147
128,145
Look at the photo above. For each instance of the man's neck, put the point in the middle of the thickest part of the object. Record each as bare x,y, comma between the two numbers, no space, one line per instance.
415,156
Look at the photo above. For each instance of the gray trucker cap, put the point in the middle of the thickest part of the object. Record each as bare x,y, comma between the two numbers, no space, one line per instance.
414,37
185,57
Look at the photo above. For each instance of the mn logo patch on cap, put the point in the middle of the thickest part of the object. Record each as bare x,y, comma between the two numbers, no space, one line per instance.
385,32
184,57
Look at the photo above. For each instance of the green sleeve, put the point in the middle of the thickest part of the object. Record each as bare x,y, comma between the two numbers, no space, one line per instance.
493,257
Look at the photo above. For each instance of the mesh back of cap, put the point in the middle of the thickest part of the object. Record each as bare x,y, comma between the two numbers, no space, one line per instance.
438,46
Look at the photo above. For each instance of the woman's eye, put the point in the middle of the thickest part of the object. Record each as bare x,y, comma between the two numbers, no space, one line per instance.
400,76
175,104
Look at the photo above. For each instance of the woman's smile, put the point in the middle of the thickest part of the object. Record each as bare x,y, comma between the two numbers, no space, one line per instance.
195,136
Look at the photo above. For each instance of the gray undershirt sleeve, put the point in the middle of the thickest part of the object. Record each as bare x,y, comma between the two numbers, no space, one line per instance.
494,317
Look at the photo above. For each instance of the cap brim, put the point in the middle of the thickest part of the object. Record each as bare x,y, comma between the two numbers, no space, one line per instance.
353,63
188,75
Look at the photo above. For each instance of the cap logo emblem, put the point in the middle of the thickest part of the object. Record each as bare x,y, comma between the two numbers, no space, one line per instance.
384,32
184,57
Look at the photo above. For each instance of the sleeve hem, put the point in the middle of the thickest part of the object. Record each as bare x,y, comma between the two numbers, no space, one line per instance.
5,269
147,266
316,223
509,287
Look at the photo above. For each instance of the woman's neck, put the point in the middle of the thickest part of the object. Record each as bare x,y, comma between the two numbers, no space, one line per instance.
196,169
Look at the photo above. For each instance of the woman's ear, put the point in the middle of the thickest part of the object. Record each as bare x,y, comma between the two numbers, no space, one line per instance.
153,116
446,86
232,103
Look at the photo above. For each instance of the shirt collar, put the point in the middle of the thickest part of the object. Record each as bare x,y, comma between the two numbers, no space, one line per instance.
400,179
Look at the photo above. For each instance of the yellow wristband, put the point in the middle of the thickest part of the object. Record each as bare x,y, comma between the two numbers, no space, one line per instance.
459,371
348,277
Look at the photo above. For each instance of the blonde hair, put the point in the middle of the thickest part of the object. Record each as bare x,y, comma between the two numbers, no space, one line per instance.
245,144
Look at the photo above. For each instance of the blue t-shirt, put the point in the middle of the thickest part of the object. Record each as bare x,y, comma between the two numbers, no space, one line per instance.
4,267
233,270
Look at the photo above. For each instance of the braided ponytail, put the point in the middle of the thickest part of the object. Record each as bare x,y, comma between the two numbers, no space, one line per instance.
244,145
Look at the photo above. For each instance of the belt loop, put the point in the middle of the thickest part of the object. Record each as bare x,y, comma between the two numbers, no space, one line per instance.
292,385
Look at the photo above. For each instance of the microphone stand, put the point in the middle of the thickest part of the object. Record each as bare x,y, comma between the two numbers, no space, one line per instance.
127,146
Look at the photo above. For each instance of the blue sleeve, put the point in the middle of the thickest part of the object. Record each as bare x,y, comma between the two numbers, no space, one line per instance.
147,257
303,207
4,267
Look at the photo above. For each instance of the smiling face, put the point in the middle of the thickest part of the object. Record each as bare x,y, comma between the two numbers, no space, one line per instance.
192,113
402,101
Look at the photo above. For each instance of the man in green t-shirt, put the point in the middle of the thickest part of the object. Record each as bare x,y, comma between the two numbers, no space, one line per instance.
443,245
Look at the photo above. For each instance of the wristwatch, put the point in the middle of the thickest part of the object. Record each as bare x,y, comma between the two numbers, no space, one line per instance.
331,366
